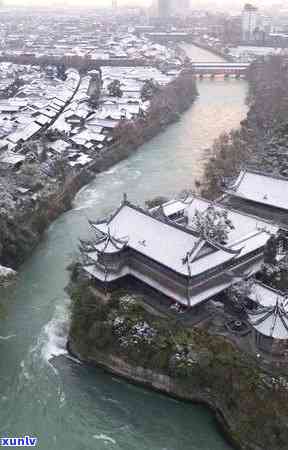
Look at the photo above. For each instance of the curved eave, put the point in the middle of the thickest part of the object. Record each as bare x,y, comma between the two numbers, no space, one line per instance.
270,325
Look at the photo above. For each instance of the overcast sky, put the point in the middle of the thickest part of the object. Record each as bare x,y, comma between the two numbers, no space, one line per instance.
101,3
94,3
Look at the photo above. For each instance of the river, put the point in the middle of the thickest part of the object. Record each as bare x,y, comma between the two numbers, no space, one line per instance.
46,394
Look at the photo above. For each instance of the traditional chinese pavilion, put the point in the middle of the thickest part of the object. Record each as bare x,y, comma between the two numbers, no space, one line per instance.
260,194
161,249
269,319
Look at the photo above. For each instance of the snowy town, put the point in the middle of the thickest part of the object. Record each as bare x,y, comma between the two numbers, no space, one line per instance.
144,224
53,114
43,105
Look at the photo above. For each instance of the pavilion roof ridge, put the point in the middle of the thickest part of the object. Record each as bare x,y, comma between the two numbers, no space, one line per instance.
218,204
212,243
268,312
247,169
277,310
118,244
270,288
157,219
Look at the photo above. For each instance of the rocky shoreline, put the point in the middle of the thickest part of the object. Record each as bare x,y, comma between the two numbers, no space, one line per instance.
162,384
189,364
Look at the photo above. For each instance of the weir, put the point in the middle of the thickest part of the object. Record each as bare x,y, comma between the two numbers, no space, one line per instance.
218,68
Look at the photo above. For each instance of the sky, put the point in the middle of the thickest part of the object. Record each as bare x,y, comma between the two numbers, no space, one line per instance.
95,3
105,3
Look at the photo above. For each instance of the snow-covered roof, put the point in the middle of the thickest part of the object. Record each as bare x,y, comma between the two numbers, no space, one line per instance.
151,237
261,188
59,146
94,129
203,292
175,247
82,160
173,207
105,123
244,224
42,120
11,158
51,113
90,135
271,316
61,125
26,133
264,295
6,274
109,244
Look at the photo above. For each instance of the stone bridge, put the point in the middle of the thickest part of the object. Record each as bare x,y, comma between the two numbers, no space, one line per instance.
226,69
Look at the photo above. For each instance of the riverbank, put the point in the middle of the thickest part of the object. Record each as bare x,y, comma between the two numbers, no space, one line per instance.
162,384
261,141
121,335
23,224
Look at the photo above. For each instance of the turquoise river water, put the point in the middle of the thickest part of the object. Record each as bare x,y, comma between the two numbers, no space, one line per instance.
46,394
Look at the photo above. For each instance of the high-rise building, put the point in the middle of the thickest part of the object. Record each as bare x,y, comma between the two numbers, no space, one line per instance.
250,19
164,8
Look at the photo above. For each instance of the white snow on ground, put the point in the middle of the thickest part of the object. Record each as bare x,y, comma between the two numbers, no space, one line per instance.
6,275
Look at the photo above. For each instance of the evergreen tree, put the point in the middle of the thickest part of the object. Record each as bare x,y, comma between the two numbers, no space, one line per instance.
114,89
213,224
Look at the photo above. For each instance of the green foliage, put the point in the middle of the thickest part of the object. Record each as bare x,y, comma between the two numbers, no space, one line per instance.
270,251
87,313
156,201
228,154
61,72
100,334
196,360
212,224
262,140
149,89
114,89
239,293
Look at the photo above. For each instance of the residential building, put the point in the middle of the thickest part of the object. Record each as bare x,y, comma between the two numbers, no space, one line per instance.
249,22
164,8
